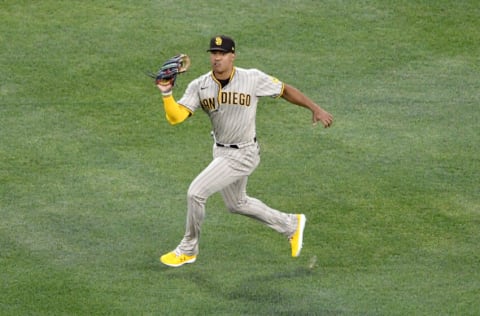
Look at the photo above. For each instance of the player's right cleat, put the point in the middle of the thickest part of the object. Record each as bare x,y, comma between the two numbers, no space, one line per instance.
174,259
296,241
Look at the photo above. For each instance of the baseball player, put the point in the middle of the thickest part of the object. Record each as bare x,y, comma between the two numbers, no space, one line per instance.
229,95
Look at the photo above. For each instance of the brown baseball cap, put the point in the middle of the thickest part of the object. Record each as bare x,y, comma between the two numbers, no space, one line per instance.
222,43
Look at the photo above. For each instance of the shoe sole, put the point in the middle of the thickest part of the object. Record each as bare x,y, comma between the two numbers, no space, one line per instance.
180,264
302,221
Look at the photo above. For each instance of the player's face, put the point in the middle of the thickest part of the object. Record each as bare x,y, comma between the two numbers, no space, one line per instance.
222,63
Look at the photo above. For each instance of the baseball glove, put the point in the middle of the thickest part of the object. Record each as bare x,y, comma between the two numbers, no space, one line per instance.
170,69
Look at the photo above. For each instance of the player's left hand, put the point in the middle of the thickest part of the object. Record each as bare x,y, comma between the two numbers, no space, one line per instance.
320,115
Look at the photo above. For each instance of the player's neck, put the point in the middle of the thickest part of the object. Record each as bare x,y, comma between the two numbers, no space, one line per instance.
225,75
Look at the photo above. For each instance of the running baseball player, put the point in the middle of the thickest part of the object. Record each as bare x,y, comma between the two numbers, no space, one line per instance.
229,95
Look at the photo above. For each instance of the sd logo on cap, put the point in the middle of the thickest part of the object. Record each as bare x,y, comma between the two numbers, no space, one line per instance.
222,43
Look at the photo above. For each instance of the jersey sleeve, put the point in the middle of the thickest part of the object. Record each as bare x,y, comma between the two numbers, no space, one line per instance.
191,97
267,86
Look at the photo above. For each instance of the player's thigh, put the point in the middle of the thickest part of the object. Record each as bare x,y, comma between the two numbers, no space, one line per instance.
235,193
215,177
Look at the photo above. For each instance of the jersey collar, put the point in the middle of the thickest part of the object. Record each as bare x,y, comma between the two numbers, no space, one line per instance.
229,79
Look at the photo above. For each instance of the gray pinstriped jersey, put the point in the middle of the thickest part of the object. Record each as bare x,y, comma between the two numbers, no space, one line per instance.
232,109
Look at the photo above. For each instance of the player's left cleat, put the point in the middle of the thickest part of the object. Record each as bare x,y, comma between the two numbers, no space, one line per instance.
174,259
296,241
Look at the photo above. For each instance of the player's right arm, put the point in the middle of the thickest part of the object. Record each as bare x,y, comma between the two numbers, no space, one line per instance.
174,112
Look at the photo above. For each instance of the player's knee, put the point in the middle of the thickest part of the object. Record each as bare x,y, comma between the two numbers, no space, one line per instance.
192,195
235,206
195,196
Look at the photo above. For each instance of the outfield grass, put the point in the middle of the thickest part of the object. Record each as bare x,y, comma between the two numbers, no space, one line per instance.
93,179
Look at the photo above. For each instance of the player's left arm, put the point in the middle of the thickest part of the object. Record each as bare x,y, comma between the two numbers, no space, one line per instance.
293,95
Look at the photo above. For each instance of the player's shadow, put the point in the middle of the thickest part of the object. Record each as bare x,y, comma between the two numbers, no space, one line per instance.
268,290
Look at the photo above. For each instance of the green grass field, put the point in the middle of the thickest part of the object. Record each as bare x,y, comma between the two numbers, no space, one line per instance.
93,179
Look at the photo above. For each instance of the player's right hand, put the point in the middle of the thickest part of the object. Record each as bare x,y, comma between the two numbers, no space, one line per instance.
165,88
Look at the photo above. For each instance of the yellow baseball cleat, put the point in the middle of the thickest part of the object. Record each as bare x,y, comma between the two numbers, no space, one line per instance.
296,241
173,259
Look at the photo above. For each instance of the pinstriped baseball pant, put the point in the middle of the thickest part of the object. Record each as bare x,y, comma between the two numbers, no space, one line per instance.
228,174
